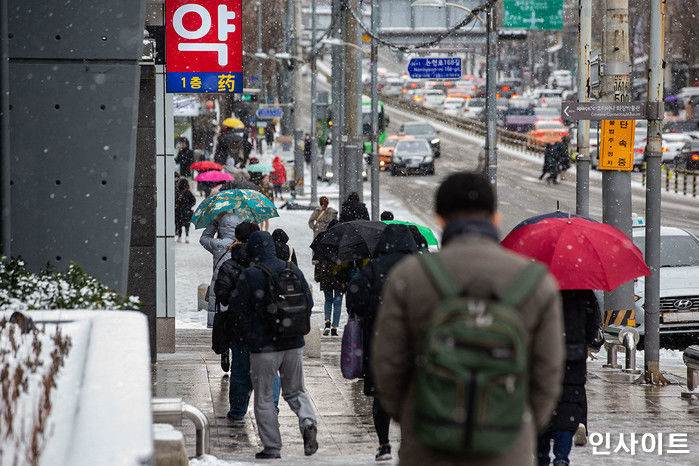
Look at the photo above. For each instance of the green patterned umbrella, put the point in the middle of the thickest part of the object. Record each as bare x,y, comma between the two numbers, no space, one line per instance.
249,205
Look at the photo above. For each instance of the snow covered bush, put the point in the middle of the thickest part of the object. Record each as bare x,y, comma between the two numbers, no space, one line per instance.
21,290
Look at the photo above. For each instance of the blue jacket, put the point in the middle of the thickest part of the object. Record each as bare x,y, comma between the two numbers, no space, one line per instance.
249,295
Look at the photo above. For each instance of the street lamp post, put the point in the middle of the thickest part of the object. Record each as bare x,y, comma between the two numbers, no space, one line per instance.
314,103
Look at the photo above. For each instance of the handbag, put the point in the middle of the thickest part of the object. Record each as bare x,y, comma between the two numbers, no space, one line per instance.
222,332
352,351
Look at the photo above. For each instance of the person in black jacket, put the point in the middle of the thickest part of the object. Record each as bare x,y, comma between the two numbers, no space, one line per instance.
364,300
185,157
184,202
582,330
353,209
270,353
281,246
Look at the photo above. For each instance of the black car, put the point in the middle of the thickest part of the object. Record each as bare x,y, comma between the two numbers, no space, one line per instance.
412,155
421,130
688,158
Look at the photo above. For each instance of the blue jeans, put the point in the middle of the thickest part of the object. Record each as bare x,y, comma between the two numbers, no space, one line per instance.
562,443
241,383
333,305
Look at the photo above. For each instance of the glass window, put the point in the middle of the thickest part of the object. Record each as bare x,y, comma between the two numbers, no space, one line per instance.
413,147
675,251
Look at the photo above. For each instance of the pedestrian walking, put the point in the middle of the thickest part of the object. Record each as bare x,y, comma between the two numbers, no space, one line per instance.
582,330
240,383
562,156
271,284
353,209
269,134
217,238
550,168
471,279
247,149
307,143
282,248
184,203
322,216
185,158
363,300
331,287
278,177
267,189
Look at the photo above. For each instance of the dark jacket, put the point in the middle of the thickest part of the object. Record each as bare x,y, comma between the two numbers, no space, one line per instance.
183,207
250,295
365,289
281,247
582,325
185,157
353,210
228,275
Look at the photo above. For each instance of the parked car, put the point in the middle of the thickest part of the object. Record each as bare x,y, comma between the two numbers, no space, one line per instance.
548,131
412,156
688,158
386,150
453,106
679,284
422,130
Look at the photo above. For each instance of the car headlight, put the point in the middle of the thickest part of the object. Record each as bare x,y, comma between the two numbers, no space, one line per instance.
427,159
434,141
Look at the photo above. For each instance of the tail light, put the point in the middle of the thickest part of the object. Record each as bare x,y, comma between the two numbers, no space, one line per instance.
497,96
665,149
506,88
514,96
405,91
565,133
379,86
638,150
543,101
695,156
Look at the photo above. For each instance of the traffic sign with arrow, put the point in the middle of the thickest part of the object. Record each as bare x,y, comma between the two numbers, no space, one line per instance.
597,111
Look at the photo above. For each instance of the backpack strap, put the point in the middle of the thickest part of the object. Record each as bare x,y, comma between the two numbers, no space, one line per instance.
523,285
441,277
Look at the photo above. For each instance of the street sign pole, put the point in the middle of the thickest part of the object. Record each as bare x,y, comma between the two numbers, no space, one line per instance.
582,161
375,173
651,306
615,87
337,97
491,160
314,104
349,159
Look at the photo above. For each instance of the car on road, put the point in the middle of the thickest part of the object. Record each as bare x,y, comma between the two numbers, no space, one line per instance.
520,119
688,158
393,86
679,285
547,113
548,97
453,106
474,108
386,150
548,131
412,156
433,98
422,130
561,79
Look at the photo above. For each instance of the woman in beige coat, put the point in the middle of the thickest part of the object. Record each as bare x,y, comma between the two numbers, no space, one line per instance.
322,216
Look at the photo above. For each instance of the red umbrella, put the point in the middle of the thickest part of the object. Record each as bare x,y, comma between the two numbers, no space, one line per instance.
205,165
213,176
581,255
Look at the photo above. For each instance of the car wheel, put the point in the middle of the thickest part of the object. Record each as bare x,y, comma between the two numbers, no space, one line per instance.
430,171
393,172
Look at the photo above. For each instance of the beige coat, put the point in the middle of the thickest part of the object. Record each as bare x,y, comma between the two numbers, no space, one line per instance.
320,219
483,267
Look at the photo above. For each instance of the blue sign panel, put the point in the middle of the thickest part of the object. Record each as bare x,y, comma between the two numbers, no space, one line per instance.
269,113
186,82
435,68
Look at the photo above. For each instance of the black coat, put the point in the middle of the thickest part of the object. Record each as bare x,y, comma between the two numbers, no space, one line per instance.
281,247
226,280
353,210
324,272
185,157
249,296
582,325
365,290
184,203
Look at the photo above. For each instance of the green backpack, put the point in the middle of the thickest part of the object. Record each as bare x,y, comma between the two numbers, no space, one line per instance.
472,379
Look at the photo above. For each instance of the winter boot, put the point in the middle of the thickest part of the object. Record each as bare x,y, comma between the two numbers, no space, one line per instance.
333,332
384,453
267,455
580,437
186,239
179,239
326,331
225,362
309,432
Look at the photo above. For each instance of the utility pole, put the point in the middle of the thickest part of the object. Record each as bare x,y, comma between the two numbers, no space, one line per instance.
615,86
287,76
314,103
351,140
296,91
582,161
259,47
491,154
375,12
654,145
338,96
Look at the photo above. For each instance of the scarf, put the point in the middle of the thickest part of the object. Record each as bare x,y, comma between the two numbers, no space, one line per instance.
469,226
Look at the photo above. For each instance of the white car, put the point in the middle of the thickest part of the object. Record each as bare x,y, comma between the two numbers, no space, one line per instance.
548,97
561,79
679,283
433,98
453,106
393,86
474,107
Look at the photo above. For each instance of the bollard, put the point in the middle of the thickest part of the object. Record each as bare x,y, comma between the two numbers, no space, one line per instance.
667,180
691,360
619,336
201,297
172,410
684,183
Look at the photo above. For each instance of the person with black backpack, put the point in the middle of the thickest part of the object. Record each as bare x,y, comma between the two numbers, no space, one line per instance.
468,348
230,327
276,300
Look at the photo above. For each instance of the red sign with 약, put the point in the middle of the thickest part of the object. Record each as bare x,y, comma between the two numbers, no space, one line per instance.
204,46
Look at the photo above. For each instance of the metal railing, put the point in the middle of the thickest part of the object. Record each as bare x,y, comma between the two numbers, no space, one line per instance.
172,410
691,360
617,337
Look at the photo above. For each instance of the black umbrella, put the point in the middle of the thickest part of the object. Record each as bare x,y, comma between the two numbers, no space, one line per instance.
348,241
556,214
242,184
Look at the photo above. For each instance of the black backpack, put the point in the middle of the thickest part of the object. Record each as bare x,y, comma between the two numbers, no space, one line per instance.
288,310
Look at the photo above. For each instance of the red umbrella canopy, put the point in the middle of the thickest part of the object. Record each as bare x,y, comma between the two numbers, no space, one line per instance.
205,165
581,255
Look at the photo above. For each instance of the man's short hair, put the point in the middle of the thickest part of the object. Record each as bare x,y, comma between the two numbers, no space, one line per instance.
386,215
244,230
465,193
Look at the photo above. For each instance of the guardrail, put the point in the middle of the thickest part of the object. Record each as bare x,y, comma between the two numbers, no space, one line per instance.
517,140
172,410
687,186
691,360
617,337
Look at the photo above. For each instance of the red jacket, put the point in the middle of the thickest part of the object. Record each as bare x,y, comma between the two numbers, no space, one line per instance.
279,173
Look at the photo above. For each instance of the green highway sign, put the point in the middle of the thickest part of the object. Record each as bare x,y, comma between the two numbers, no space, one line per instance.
533,14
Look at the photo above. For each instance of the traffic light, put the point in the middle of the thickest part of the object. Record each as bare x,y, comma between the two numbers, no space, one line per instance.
249,97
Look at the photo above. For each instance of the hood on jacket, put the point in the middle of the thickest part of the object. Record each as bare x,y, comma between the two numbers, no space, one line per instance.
260,247
277,160
395,238
226,227
280,236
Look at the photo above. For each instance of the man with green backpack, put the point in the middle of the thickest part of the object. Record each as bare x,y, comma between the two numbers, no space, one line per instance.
468,353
